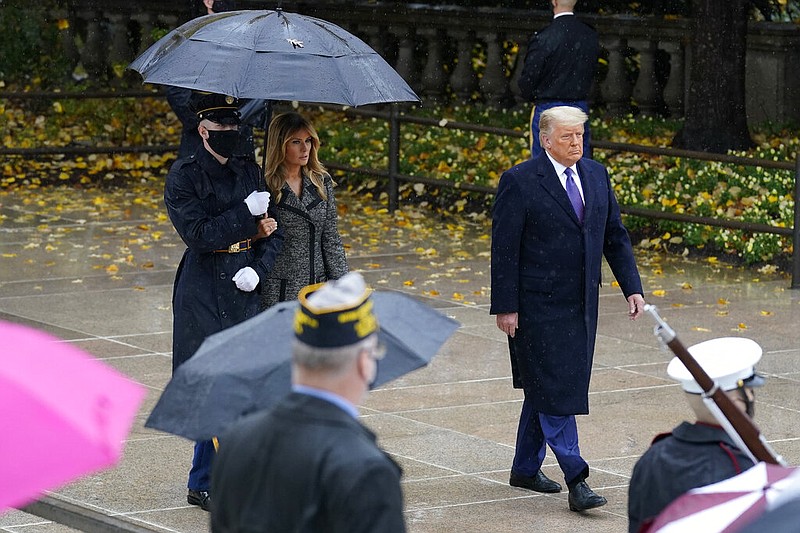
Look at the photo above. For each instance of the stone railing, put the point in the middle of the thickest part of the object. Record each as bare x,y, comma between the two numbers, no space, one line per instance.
644,68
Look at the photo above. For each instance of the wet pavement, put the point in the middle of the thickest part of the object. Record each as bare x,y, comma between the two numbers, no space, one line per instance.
96,270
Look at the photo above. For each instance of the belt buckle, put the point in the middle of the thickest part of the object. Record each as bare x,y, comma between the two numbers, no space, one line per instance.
233,248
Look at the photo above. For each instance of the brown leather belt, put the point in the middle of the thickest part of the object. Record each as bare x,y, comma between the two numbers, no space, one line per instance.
235,248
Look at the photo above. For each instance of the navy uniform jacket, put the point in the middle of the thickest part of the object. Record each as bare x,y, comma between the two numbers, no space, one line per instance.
306,466
560,62
205,202
546,267
693,455
312,248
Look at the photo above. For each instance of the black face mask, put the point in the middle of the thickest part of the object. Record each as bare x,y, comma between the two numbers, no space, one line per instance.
223,142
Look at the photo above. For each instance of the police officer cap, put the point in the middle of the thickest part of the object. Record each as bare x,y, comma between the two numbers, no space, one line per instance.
335,314
728,360
217,108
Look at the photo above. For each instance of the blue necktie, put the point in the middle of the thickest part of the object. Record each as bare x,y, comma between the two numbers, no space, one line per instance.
574,195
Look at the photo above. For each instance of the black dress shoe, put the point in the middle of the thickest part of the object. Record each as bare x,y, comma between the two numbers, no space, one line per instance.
199,497
538,483
581,498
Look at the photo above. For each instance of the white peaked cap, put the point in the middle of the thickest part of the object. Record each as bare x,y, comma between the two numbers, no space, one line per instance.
727,360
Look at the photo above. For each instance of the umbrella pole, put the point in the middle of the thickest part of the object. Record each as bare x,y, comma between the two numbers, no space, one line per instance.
267,118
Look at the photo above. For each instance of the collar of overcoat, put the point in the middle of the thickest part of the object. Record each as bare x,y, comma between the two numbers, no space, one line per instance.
550,183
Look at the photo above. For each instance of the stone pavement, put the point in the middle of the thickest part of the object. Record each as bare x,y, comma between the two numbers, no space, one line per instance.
101,278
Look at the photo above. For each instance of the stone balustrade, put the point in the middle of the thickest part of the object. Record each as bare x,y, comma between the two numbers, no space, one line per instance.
452,54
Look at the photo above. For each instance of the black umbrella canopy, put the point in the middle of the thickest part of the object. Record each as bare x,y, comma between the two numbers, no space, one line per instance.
247,367
272,55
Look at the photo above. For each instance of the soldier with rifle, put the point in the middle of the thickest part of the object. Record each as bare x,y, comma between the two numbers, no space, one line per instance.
712,448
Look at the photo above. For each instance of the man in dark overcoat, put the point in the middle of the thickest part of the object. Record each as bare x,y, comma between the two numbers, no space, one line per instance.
216,202
308,464
554,219
698,453
560,64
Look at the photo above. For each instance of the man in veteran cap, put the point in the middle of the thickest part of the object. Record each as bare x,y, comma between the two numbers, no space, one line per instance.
700,453
218,205
308,464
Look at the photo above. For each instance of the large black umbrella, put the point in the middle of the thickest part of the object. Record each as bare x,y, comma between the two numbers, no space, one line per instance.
272,55
247,367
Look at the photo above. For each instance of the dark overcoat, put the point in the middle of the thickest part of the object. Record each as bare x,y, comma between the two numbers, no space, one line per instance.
560,62
307,466
312,248
205,202
546,267
693,455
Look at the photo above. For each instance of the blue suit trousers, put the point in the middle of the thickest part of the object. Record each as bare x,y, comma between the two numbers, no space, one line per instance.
536,430
200,474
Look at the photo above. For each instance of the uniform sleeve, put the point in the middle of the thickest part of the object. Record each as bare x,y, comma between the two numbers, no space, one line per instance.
201,231
332,248
508,224
178,99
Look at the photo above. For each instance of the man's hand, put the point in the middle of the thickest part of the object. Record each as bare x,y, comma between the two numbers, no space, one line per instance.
257,202
507,322
635,306
246,279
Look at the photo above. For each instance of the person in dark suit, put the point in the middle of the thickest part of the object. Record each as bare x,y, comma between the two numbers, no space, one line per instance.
217,203
554,219
308,464
701,453
560,64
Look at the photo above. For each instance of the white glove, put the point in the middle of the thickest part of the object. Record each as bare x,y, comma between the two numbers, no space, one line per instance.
257,202
246,279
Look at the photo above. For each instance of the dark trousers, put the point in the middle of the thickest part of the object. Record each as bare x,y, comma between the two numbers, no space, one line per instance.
200,474
536,113
559,432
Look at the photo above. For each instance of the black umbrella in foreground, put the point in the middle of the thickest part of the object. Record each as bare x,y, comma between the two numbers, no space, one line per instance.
247,367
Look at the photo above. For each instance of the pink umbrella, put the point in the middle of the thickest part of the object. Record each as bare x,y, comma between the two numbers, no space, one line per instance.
63,414
728,505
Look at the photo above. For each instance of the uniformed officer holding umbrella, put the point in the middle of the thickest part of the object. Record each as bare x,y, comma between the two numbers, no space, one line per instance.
218,204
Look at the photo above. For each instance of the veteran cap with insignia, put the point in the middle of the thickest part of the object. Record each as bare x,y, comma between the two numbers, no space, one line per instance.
335,314
729,361
218,108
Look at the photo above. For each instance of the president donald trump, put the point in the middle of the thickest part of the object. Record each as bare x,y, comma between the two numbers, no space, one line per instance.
554,218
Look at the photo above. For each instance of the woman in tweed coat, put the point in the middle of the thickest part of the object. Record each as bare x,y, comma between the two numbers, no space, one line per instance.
302,192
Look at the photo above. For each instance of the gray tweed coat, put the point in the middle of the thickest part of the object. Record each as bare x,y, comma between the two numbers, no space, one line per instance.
312,248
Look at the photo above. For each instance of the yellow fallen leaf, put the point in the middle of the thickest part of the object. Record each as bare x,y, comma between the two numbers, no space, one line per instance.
660,293
723,301
111,269
458,296
615,283
408,283
687,286
698,328
677,305
721,313
742,325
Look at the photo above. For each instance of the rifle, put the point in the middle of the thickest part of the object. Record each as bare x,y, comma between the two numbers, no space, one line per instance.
736,423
